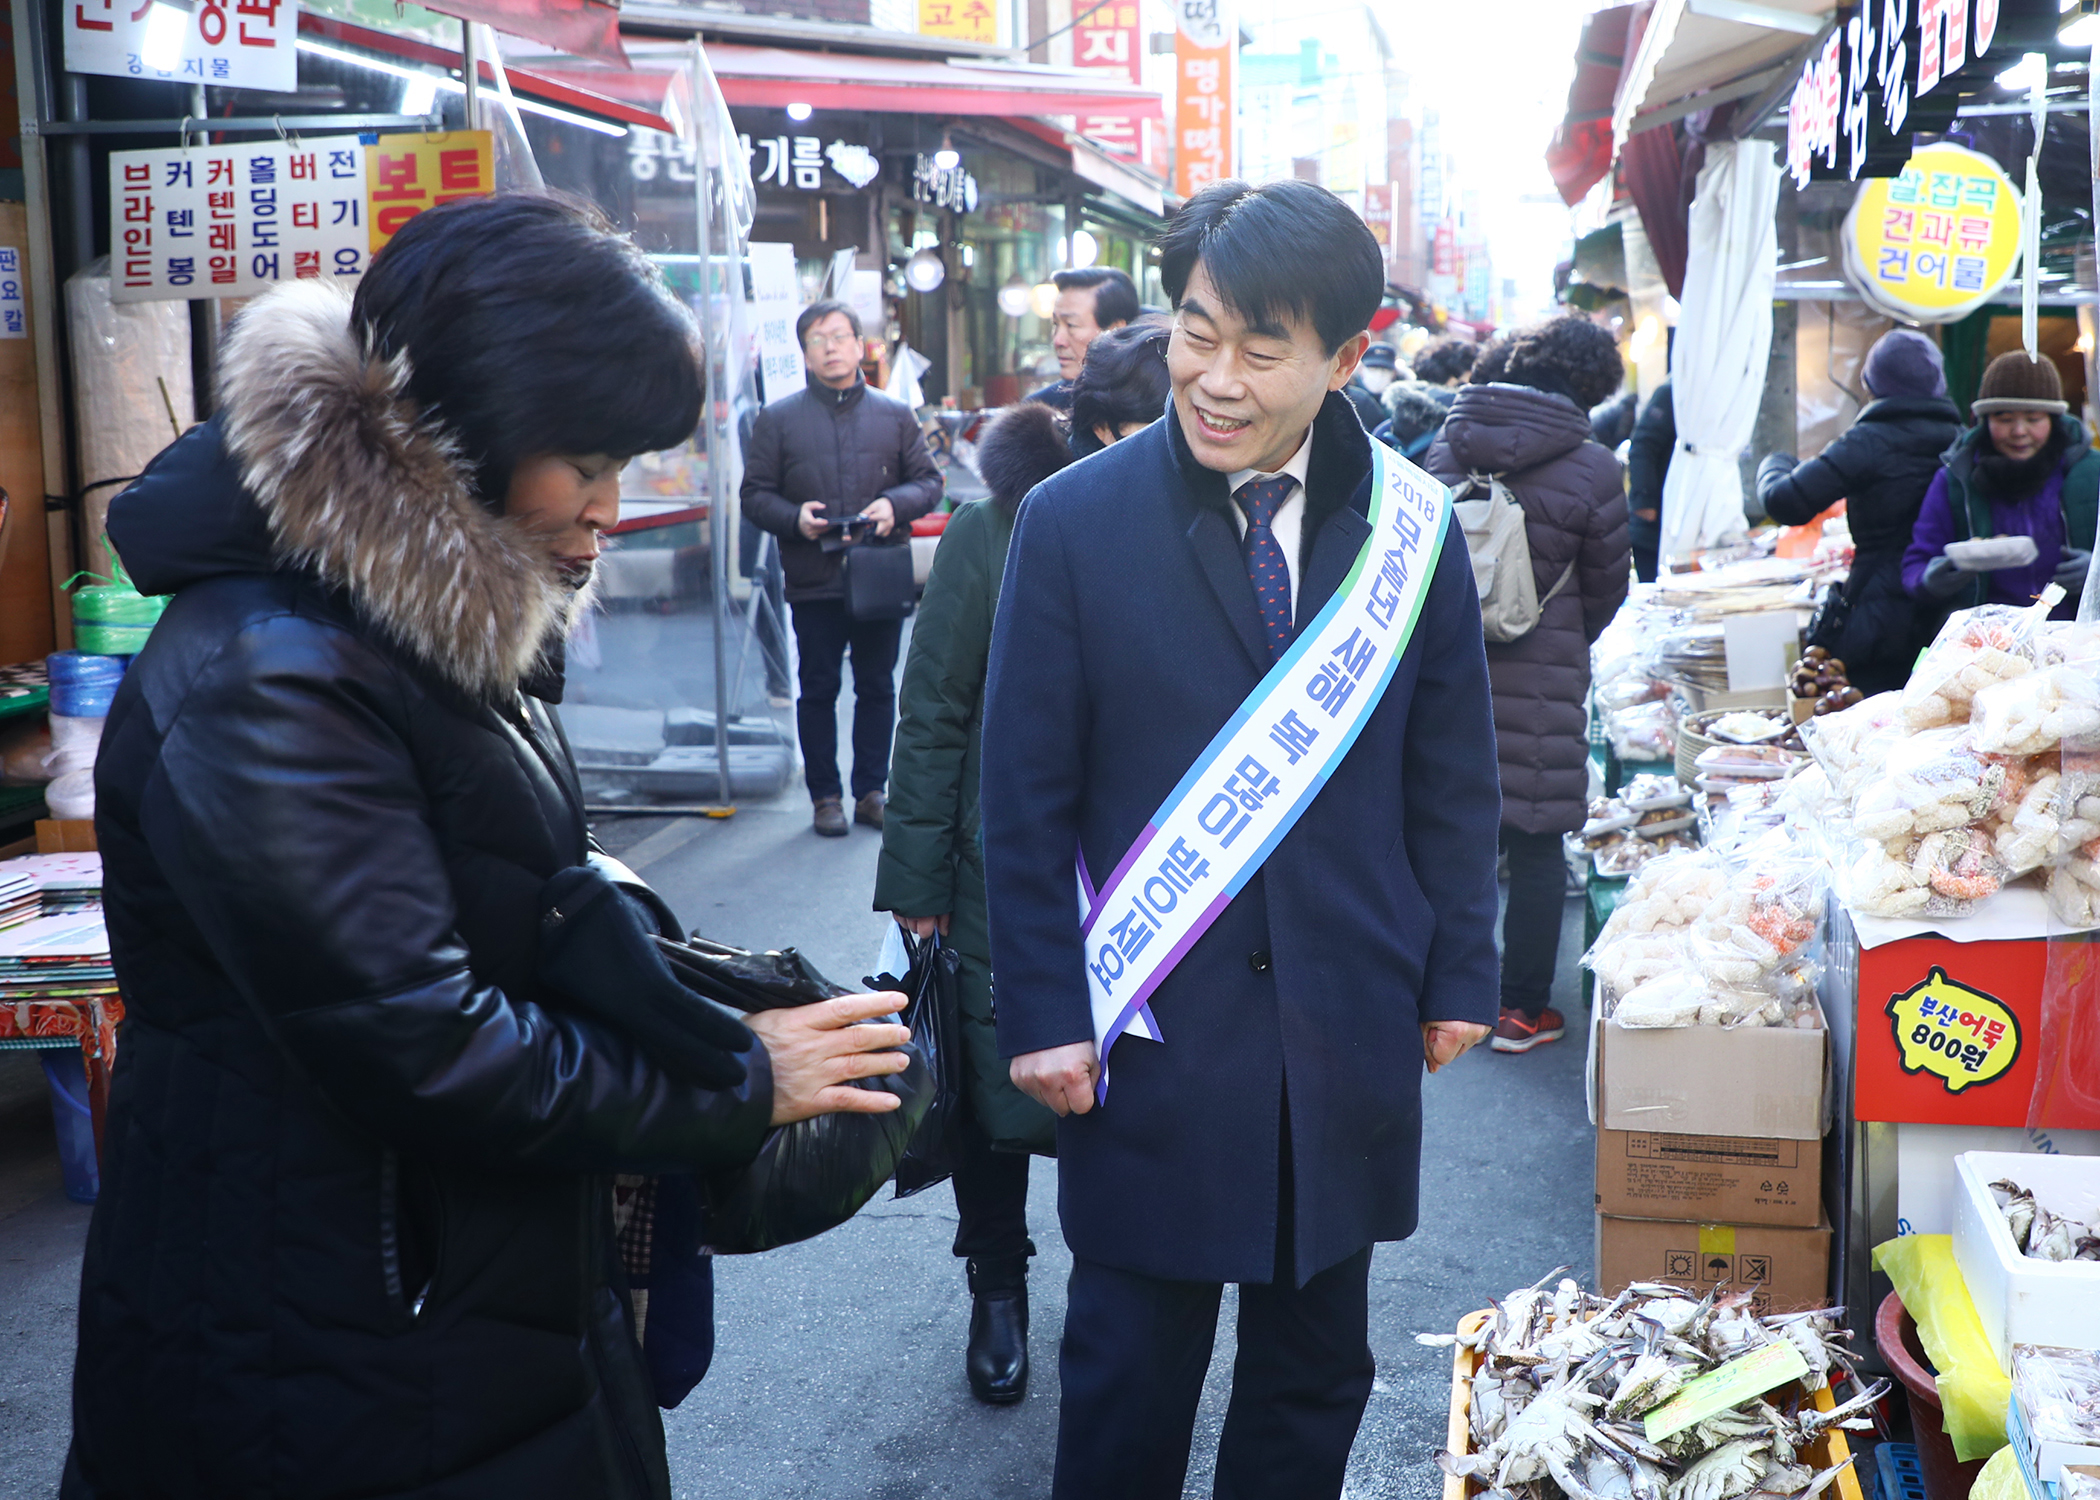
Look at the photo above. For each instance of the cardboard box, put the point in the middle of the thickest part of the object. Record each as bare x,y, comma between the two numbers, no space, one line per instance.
1645,1174
1769,1081
1789,1267
65,835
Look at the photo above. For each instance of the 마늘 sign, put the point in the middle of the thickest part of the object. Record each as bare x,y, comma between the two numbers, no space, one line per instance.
232,221
1936,241
245,44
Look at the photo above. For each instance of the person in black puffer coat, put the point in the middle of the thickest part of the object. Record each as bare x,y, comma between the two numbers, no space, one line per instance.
1880,467
389,1033
1532,428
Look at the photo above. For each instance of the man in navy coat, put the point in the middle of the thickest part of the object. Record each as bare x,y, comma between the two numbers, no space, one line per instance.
1275,1134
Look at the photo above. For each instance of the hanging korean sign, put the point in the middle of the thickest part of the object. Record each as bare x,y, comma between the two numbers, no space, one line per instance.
1206,49
944,187
964,20
1106,40
1884,74
232,221
245,44
1936,241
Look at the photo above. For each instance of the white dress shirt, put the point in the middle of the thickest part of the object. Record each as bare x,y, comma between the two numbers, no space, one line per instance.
1289,524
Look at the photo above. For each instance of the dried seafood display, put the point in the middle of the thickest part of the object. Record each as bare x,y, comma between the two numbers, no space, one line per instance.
2039,1234
1565,1377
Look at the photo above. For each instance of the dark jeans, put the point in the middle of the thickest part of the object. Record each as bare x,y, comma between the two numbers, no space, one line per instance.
824,633
991,1204
1538,888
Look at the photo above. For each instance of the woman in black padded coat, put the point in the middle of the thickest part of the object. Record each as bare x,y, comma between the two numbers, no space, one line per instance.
387,1037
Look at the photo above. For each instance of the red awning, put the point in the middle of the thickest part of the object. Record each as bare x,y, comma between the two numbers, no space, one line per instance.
773,77
1580,153
628,95
581,28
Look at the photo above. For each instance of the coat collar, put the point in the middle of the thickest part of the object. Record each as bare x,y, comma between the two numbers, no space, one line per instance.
1335,526
374,498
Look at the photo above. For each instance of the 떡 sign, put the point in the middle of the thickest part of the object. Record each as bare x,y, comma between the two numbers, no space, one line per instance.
964,20
1206,51
1937,240
232,221
230,43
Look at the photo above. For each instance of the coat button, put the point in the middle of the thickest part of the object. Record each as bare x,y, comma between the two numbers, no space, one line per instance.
1258,960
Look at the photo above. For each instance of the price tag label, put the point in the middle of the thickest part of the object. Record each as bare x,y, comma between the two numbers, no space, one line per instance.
1731,1385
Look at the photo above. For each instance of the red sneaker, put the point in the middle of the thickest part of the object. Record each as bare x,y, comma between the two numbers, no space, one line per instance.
1517,1032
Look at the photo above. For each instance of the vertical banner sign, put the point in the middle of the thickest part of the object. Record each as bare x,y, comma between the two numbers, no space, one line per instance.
1378,212
776,296
409,173
1107,41
964,20
231,221
14,298
246,44
1206,48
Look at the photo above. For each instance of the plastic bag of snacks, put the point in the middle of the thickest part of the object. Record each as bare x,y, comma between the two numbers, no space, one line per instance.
1746,762
1646,731
1932,781
1941,874
2036,712
1974,649
1647,793
1852,744
2029,833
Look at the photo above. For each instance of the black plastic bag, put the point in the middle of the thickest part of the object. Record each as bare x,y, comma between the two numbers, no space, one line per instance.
934,1014
816,1174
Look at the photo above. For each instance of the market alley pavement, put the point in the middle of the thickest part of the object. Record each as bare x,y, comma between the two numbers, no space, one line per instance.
839,1373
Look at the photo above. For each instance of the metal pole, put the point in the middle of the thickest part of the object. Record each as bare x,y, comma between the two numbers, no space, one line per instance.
470,74
714,411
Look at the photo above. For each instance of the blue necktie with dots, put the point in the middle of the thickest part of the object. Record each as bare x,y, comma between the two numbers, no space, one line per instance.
1261,499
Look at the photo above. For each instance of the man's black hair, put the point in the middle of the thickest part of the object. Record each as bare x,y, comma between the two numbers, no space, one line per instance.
817,312
1123,380
532,326
1284,249
1115,295
1445,360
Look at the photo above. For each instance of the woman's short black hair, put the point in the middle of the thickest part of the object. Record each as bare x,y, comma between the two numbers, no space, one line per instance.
1446,360
1115,295
817,312
1124,380
532,326
1568,355
1284,248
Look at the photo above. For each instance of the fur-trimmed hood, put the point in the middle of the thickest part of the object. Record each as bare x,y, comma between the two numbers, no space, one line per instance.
1023,447
350,484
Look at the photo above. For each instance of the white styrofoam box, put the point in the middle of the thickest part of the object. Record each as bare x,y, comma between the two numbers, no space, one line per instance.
2018,1299
1925,1185
2042,1460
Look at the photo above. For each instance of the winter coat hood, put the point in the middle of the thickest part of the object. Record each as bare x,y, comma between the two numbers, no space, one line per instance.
319,462
1024,447
1497,429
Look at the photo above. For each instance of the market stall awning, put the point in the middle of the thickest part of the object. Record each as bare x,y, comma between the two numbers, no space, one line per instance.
1580,154
1699,53
581,28
773,77
627,95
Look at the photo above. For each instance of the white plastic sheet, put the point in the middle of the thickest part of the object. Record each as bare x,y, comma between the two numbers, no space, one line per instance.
1724,337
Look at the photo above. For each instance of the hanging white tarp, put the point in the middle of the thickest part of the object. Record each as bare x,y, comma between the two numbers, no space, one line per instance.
1724,340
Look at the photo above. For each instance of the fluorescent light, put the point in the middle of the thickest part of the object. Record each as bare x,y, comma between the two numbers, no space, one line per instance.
450,86
2083,32
167,28
2030,72
420,96
798,112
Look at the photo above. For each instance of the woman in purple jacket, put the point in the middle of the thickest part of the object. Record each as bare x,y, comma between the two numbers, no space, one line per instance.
2025,478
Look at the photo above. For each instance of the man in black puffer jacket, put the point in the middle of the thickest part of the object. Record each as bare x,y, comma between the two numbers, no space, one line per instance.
834,450
1880,467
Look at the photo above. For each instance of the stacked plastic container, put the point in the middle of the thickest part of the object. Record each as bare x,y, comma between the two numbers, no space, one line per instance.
82,688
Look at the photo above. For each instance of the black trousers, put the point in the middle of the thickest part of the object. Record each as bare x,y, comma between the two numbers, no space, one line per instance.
991,1207
824,635
1538,888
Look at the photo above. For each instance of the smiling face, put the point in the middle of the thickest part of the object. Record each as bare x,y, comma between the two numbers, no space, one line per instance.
2019,435
567,501
1246,395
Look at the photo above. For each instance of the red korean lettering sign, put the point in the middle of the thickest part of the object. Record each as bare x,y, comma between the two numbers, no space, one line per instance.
405,174
227,44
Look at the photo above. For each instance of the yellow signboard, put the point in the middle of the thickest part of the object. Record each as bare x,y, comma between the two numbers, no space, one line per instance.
964,20
1937,241
1957,1034
405,174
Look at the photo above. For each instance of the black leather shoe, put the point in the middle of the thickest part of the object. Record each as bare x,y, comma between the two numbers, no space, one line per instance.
998,1357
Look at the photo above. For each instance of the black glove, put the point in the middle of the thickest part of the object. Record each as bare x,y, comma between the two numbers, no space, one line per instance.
1943,580
2070,573
596,949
